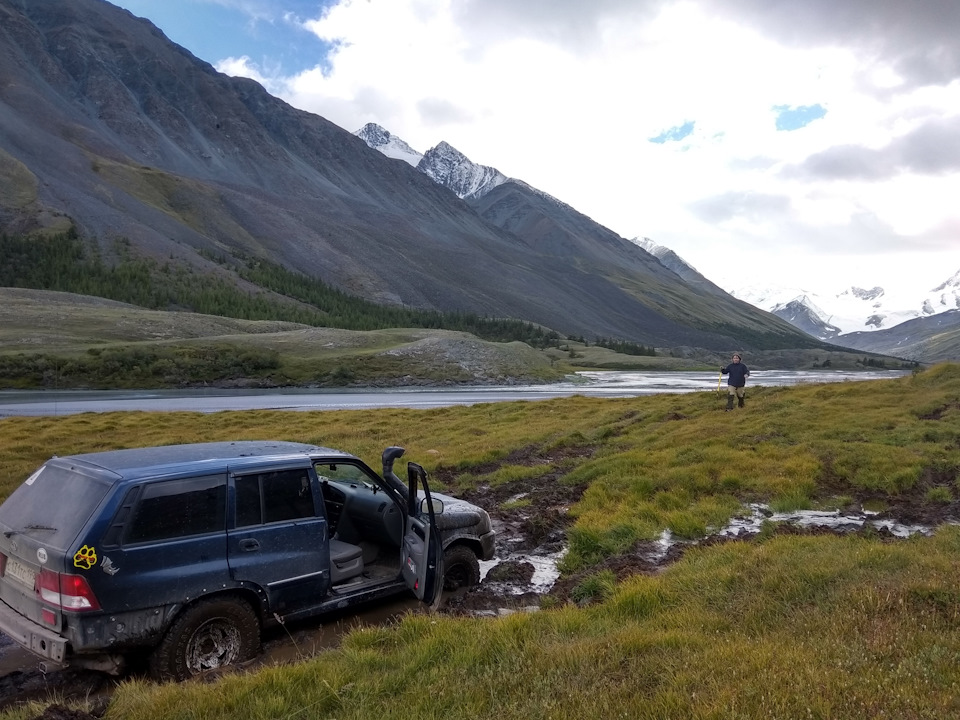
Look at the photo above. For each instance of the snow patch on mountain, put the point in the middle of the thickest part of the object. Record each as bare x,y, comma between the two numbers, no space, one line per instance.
390,145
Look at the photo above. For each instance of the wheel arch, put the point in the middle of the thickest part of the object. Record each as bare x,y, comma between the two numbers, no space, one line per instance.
212,631
253,595
472,543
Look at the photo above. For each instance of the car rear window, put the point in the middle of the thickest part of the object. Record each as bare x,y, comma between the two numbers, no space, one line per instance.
53,505
177,508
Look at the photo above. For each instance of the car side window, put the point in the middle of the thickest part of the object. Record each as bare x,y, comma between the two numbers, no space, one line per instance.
177,508
273,497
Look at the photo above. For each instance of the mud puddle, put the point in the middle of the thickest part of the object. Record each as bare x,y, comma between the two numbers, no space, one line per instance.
839,521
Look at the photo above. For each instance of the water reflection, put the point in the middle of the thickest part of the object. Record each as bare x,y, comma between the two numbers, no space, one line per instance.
835,520
648,383
545,572
748,524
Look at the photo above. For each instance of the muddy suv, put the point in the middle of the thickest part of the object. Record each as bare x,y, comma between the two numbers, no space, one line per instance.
189,551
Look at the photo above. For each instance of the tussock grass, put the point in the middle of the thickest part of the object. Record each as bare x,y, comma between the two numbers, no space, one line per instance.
785,626
821,627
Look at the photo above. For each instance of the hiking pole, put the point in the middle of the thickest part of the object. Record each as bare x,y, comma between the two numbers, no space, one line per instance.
719,380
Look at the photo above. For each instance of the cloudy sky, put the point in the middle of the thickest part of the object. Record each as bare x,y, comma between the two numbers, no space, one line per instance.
811,143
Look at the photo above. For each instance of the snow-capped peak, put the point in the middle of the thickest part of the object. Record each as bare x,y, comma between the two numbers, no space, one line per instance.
446,165
651,247
665,255
381,139
443,164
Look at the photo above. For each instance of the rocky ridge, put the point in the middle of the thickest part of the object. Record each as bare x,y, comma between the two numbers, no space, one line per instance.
447,166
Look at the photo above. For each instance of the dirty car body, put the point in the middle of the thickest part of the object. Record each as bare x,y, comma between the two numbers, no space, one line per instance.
188,551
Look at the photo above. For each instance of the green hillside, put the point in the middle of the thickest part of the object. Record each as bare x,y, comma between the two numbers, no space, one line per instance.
67,263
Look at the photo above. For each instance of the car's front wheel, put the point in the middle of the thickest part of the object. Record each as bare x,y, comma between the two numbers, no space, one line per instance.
460,568
209,635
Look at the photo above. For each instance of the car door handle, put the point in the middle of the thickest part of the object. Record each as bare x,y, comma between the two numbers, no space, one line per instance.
249,545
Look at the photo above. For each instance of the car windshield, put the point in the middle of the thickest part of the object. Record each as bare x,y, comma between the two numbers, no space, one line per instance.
344,473
52,505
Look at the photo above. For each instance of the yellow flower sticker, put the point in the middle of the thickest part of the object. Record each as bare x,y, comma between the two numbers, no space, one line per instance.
85,558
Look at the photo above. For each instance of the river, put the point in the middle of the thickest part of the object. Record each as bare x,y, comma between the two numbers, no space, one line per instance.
589,383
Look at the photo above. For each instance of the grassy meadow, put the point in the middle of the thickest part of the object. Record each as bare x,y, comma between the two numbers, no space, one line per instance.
787,625
90,342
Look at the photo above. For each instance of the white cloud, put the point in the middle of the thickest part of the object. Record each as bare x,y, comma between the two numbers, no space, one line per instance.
565,95
244,67
917,40
932,148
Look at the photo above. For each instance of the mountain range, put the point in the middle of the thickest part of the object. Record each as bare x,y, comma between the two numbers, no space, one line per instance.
855,309
843,318
110,129
901,322
910,324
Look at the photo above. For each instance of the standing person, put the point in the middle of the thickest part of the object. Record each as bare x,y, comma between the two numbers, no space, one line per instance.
737,381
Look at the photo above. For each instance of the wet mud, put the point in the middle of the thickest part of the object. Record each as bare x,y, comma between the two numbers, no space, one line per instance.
531,519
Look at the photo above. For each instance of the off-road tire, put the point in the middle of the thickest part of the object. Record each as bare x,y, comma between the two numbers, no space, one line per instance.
208,635
460,568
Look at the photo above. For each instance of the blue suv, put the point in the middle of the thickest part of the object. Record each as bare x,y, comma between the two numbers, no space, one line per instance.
188,551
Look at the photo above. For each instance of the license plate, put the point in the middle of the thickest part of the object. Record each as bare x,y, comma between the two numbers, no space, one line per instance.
20,572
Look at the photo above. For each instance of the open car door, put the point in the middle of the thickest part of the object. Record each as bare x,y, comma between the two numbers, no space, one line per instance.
422,549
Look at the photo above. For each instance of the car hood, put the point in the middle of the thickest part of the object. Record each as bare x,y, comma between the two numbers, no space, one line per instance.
459,513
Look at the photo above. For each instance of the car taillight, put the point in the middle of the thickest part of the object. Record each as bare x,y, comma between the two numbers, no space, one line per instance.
70,592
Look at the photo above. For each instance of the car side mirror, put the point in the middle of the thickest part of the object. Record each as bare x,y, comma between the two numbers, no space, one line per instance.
437,506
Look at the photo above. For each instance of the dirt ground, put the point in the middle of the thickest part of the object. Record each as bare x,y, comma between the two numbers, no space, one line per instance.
535,527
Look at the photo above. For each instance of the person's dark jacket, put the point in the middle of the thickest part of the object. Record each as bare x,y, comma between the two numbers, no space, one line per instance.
738,374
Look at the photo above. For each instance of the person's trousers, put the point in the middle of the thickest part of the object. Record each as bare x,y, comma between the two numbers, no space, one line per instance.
738,391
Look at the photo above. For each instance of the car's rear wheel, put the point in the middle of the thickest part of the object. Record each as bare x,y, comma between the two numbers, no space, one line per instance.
209,635
460,568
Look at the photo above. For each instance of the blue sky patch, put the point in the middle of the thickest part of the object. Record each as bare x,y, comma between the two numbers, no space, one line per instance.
678,132
266,31
794,118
